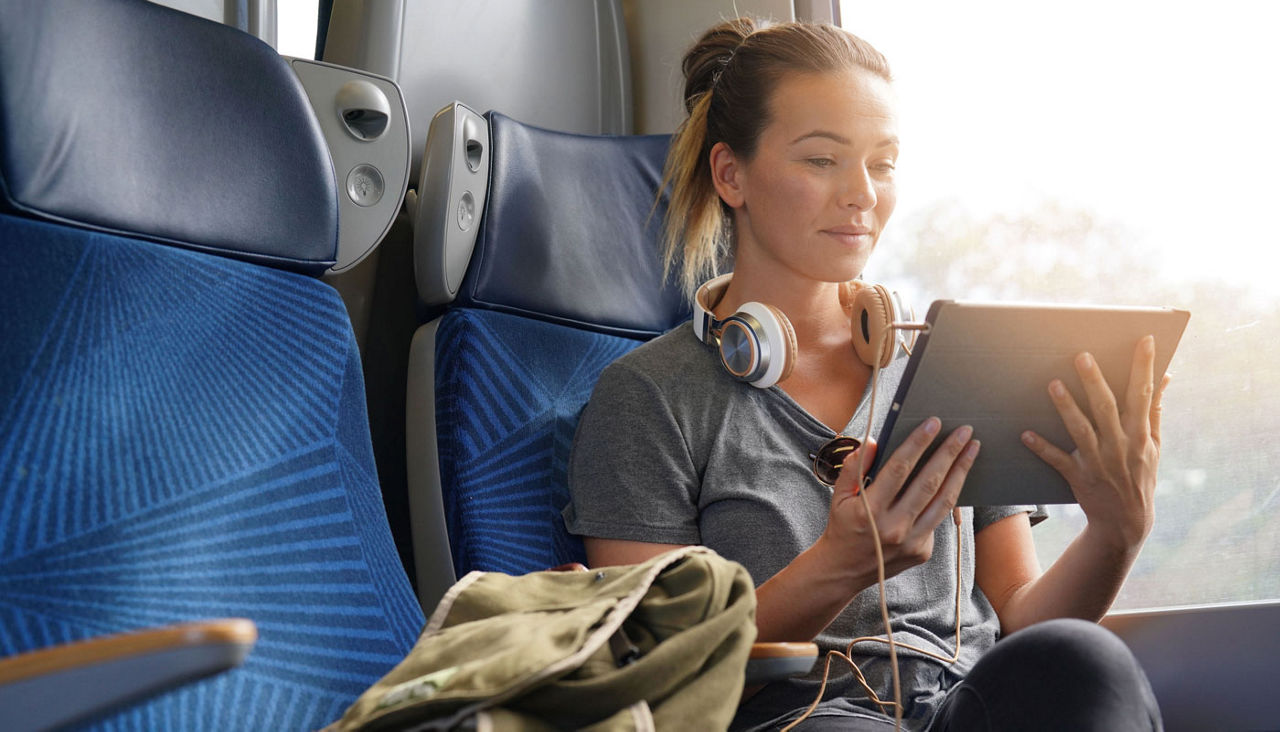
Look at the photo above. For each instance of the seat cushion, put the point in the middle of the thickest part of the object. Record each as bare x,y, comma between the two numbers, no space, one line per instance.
183,436
509,392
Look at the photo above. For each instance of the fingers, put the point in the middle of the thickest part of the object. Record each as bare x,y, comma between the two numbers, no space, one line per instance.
1138,397
1102,402
894,473
1156,409
1108,425
944,502
1077,424
944,473
1057,458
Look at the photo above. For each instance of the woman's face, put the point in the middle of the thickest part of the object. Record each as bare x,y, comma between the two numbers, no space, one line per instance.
820,187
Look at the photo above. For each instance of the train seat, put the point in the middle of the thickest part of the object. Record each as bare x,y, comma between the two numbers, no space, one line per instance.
543,248
558,276
562,65
183,432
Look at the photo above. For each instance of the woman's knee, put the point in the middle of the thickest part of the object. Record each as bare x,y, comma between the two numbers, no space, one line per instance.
1070,653
1076,646
1070,674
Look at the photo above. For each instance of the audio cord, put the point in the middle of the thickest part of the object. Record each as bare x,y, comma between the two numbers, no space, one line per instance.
863,482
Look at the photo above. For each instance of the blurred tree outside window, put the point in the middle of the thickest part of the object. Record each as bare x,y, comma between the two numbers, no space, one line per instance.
1123,154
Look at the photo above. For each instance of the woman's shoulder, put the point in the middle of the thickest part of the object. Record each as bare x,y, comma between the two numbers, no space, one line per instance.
673,358
665,379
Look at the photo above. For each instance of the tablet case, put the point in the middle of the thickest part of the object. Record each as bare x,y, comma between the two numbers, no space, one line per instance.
989,366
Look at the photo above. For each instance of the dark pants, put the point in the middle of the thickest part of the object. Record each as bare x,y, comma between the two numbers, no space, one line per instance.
1057,675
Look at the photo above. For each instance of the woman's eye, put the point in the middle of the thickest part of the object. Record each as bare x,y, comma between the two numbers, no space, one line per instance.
821,162
885,167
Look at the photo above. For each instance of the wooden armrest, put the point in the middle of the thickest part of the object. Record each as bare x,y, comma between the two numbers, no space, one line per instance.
55,686
774,661
784,650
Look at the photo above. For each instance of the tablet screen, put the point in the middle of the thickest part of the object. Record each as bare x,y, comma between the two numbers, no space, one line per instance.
989,366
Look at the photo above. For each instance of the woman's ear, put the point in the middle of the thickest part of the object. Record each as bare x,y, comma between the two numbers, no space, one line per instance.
726,175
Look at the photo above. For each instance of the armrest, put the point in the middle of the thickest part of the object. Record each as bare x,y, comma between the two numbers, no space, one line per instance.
774,661
1211,666
56,686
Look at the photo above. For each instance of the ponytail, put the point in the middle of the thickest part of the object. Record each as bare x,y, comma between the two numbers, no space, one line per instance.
695,236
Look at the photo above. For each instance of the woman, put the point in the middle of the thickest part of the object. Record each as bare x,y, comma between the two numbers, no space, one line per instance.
786,164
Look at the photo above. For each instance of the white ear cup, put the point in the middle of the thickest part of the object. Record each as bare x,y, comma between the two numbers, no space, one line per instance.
757,345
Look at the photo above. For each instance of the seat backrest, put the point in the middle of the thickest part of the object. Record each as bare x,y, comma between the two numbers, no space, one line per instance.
564,278
183,432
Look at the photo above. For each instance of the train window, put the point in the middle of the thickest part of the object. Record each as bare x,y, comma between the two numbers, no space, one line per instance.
296,22
1114,153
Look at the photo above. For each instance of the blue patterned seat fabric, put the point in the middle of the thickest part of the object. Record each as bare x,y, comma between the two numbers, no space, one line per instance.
183,433
566,277
184,437
516,389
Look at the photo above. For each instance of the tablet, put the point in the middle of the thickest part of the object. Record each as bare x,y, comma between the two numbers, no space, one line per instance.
989,365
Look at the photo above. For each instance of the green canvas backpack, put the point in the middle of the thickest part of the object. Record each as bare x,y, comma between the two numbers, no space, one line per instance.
659,645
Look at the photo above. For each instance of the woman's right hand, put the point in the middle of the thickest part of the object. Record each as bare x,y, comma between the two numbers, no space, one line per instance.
905,514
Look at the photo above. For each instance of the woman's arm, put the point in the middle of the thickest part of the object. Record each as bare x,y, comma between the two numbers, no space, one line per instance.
794,605
617,552
805,596
1082,583
1112,473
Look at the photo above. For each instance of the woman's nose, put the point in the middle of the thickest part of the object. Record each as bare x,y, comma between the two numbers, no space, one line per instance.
860,191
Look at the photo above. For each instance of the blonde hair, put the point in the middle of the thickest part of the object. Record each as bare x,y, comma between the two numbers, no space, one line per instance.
730,74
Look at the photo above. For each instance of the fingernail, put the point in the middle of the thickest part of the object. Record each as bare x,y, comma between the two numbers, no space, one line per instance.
964,433
1149,343
972,450
1028,439
1057,389
931,426
1085,361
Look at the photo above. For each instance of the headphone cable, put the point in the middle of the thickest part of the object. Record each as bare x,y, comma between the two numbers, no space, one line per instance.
863,482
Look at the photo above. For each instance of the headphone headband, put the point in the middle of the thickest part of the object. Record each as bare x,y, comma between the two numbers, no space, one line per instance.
704,301
758,345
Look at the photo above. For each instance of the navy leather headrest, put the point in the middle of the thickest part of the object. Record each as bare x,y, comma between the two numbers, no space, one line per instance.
570,233
129,117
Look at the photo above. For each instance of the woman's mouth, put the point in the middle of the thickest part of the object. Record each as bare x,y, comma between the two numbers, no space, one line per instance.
850,235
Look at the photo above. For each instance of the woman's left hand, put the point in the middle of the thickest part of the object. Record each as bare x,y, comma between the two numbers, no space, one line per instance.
1112,471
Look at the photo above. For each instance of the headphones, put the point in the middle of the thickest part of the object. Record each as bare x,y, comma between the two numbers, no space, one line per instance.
758,345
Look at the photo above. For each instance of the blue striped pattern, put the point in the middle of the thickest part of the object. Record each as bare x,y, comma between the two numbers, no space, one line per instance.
509,391
183,436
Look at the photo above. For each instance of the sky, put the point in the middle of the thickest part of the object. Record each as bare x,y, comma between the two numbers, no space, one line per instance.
296,29
1162,117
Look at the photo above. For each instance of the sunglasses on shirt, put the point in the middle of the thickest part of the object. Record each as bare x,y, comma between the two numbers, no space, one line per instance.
829,459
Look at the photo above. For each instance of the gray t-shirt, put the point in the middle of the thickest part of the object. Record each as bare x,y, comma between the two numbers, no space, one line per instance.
671,449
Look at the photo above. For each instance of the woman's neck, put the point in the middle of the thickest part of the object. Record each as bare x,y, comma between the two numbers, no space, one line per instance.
813,307
827,379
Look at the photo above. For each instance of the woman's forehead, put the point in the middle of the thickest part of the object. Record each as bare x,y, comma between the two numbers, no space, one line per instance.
852,104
